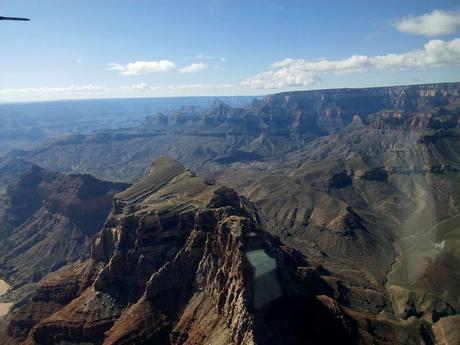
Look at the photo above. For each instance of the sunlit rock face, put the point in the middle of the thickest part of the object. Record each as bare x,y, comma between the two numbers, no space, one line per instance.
4,306
184,261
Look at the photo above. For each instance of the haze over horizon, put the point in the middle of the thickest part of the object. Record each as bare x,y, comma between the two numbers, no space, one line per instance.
90,50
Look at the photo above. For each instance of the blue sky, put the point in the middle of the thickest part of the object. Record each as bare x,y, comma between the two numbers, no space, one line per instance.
93,49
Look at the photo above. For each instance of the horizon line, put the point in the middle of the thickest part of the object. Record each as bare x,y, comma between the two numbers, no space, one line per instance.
214,96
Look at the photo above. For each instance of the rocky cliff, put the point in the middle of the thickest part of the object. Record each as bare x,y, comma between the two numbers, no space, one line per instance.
184,261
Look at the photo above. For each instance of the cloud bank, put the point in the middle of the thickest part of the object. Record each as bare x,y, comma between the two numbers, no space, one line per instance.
300,72
75,89
148,87
142,67
431,24
194,67
82,91
147,67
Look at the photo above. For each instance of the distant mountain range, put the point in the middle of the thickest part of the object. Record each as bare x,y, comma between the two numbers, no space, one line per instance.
206,138
26,125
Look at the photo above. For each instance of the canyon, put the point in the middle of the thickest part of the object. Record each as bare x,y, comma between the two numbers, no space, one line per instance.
345,203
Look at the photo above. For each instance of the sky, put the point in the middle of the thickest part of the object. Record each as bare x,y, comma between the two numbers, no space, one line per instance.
118,48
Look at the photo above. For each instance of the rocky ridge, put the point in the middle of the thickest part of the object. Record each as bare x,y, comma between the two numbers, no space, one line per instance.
184,261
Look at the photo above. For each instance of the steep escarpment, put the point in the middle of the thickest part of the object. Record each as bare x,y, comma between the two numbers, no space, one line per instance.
332,110
184,261
47,219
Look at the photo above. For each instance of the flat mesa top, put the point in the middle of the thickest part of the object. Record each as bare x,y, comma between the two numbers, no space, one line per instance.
169,186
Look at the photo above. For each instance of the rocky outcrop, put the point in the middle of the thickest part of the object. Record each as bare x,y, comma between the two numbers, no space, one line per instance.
184,261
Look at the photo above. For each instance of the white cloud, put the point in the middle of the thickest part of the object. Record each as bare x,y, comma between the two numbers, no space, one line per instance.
205,57
139,87
60,90
148,87
74,91
93,91
147,67
431,24
142,67
300,72
201,85
194,67
283,77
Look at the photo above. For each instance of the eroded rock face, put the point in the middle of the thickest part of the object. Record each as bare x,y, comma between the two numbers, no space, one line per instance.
183,261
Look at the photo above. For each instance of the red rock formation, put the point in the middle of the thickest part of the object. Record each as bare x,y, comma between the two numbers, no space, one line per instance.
183,261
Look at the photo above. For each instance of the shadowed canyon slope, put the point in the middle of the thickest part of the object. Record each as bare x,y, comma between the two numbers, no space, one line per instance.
47,219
